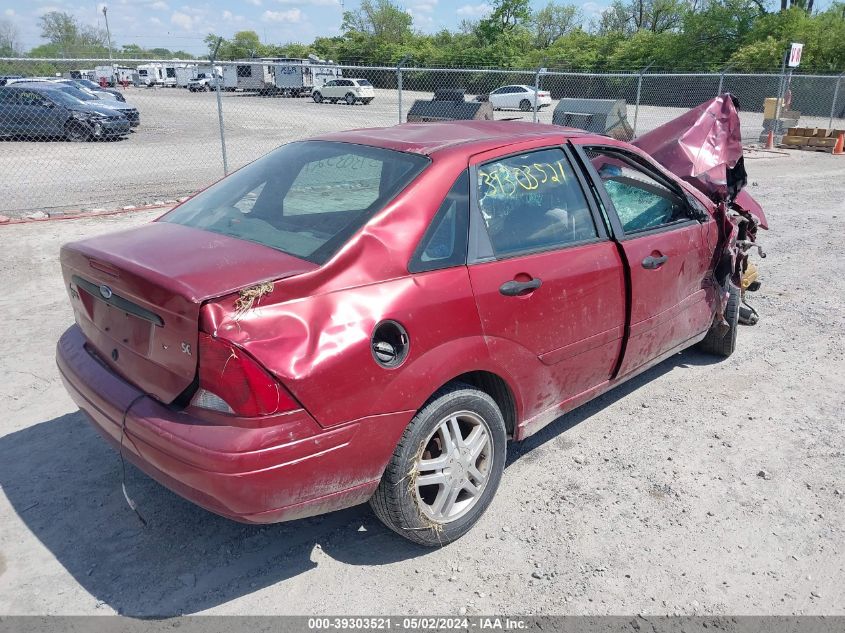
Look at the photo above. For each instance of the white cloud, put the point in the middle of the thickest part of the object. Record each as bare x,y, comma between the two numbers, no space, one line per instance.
159,6
291,16
182,20
255,3
45,10
427,6
10,13
475,10
313,3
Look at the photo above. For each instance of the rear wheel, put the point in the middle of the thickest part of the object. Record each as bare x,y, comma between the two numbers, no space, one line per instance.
350,98
367,101
721,341
318,98
77,132
525,105
445,469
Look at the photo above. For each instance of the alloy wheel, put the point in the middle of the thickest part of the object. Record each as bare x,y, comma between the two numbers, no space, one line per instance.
453,467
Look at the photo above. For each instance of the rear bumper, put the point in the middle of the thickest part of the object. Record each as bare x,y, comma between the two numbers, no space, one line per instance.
276,469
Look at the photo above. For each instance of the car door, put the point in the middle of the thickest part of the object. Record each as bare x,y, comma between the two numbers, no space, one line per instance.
496,97
548,281
8,115
668,246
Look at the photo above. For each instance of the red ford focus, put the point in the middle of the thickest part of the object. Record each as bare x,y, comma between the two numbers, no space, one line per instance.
373,315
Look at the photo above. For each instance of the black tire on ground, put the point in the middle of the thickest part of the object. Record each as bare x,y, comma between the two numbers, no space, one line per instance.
718,341
367,101
77,132
318,98
350,98
397,502
525,105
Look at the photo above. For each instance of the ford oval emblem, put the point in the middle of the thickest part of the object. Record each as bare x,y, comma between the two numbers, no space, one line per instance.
106,292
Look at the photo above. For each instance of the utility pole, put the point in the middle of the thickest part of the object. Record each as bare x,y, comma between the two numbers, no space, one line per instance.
108,37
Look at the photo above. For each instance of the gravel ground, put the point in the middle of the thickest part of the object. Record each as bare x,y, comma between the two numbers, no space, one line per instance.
700,487
176,150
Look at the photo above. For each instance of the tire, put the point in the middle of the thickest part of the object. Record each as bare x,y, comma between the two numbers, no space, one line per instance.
318,98
367,101
350,98
206,88
411,509
525,105
719,341
76,132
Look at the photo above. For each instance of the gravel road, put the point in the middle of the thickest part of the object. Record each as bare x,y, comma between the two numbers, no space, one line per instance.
700,487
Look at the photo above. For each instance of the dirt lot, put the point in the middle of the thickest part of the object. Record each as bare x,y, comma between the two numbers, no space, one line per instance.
647,500
176,150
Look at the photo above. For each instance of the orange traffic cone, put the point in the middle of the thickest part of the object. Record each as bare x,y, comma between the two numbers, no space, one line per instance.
770,140
839,148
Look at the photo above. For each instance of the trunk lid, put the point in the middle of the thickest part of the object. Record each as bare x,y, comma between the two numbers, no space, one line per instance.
137,295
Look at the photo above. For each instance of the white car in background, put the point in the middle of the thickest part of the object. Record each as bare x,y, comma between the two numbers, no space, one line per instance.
524,98
349,90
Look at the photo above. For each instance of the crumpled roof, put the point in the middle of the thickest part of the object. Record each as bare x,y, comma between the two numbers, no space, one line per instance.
704,147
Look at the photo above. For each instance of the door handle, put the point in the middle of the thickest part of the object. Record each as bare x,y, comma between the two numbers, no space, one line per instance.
519,288
652,262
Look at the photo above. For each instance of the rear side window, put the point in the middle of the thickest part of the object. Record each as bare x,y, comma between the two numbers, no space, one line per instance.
533,202
445,241
305,199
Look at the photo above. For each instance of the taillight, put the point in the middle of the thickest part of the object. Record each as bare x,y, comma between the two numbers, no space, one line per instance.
231,381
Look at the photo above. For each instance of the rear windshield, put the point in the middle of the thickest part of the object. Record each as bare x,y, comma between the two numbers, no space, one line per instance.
364,82
305,199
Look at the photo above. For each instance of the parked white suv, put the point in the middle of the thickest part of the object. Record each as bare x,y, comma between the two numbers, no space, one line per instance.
525,98
349,90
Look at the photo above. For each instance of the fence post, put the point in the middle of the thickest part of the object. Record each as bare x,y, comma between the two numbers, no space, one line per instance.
833,105
722,79
399,82
540,70
639,92
220,109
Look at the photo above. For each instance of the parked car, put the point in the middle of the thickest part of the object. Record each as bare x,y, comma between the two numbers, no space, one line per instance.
34,111
524,98
351,91
129,111
204,82
96,89
395,304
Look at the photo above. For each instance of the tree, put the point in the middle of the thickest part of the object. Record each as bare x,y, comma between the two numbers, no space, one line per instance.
379,18
506,17
552,22
69,36
10,39
656,16
243,45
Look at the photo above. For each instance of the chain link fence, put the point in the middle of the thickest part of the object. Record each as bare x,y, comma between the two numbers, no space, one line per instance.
196,120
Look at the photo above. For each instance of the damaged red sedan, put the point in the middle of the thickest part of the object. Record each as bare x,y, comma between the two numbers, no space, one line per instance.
372,315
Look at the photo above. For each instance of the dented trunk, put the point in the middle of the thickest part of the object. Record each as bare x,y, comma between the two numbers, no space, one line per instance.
137,295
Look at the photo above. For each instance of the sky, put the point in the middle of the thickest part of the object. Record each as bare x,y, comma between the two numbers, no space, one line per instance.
175,25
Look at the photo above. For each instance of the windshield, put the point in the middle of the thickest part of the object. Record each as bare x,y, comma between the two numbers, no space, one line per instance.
305,199
79,94
364,82
59,96
88,84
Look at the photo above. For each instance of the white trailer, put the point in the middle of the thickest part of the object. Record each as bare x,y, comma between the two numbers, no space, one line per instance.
255,75
230,77
298,77
184,74
170,74
151,74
